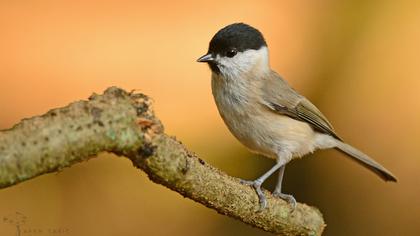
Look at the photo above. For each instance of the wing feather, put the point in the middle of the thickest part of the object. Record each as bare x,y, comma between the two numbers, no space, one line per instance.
306,111
288,102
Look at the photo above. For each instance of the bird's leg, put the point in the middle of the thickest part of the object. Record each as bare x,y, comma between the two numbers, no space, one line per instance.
277,191
258,182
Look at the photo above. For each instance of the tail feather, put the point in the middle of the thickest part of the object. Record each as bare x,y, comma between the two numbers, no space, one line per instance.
366,161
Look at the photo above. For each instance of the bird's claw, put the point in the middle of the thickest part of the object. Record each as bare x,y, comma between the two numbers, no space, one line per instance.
287,197
257,186
247,182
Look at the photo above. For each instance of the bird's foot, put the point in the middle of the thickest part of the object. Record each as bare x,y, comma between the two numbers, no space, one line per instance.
287,197
257,186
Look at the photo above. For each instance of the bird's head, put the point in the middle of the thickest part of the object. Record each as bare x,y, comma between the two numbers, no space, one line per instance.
237,49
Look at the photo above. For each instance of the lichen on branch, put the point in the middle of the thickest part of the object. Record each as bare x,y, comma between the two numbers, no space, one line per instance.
124,123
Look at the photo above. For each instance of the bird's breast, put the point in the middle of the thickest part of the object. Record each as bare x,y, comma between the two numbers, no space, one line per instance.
259,129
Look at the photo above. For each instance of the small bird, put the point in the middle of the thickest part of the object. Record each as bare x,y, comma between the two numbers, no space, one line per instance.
264,113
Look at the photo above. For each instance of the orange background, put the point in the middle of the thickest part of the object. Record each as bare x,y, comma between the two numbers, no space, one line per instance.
358,61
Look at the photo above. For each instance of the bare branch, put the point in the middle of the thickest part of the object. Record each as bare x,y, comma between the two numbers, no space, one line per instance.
124,123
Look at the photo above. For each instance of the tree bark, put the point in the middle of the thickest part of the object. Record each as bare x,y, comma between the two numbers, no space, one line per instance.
124,123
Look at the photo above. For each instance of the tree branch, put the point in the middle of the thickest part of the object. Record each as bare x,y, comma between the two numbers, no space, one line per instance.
124,123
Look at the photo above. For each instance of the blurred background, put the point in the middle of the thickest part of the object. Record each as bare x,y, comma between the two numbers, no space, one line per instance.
358,61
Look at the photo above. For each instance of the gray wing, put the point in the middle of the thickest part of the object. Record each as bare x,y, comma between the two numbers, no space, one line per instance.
282,99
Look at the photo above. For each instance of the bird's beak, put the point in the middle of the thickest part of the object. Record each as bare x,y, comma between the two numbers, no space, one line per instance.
206,58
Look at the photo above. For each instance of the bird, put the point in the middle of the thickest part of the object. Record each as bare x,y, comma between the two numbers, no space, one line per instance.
264,112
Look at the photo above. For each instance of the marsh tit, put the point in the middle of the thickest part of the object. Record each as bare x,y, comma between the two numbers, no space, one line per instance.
263,112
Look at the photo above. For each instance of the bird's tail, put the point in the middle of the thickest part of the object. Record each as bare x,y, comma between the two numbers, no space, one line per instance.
366,161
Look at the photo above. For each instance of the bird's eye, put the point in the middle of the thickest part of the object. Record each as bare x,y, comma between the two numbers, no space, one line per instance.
231,53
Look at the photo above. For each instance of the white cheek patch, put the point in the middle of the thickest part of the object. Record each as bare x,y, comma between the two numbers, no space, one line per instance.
244,62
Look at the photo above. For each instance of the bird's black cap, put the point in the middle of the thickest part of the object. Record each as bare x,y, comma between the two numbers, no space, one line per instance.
237,36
